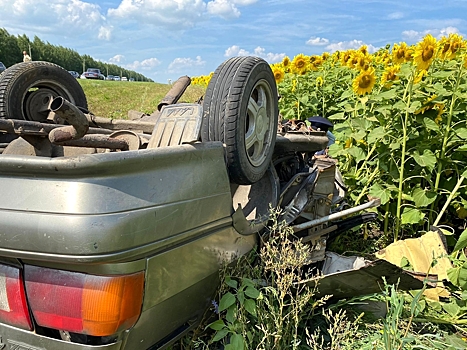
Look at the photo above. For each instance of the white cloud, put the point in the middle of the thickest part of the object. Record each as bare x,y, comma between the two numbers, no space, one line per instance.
179,64
348,45
146,64
223,8
163,13
396,15
259,51
117,59
235,51
66,17
446,31
227,8
244,2
317,41
413,35
105,33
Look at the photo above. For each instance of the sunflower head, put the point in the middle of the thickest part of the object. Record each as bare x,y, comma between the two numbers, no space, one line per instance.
355,57
425,52
364,82
450,46
345,57
319,81
299,64
363,49
363,62
399,53
279,74
390,75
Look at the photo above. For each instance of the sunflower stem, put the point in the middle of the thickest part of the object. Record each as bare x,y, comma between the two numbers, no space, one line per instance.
408,91
449,200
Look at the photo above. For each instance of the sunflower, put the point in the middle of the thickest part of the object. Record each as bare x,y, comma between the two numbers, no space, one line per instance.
398,53
286,62
427,104
319,81
345,57
335,57
316,60
440,108
425,52
354,59
279,73
409,53
325,56
450,46
299,64
364,82
363,49
390,75
363,63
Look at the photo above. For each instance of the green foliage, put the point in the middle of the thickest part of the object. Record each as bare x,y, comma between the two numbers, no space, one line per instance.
403,142
263,305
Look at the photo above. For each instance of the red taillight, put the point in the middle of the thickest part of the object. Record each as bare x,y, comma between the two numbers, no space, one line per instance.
13,307
82,303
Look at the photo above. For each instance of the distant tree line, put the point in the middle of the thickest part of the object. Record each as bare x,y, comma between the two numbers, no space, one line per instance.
12,47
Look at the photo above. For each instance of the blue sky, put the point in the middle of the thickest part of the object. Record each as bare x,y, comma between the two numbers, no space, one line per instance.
165,39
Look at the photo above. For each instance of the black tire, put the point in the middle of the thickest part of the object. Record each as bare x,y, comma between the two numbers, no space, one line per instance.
26,89
241,110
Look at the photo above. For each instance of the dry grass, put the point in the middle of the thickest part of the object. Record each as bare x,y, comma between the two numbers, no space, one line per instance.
113,99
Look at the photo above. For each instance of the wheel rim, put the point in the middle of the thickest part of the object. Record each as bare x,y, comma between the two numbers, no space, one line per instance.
259,123
37,97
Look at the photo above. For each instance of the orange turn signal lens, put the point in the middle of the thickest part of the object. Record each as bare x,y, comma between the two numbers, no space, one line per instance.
82,303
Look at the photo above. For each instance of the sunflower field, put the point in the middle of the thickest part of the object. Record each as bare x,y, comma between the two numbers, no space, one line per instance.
400,124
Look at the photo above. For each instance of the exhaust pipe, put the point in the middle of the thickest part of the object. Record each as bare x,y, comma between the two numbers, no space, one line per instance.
175,92
70,113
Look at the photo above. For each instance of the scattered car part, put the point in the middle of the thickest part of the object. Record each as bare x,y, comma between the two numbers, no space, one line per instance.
421,253
26,89
346,277
176,125
175,92
71,114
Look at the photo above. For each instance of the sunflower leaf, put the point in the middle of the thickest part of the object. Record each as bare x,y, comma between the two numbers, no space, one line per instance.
427,159
411,216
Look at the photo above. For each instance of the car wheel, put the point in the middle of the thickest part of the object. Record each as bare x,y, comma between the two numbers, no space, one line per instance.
241,110
26,89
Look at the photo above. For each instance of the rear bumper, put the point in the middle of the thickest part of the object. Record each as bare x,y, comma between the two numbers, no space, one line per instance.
15,338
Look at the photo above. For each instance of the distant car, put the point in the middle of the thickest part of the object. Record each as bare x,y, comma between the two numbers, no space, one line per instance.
74,74
2,67
124,79
132,79
94,73
116,78
110,77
